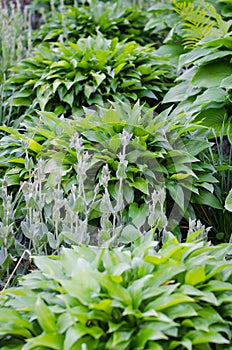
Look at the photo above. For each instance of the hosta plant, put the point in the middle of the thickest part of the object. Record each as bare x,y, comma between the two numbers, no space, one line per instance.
127,298
144,152
111,19
64,77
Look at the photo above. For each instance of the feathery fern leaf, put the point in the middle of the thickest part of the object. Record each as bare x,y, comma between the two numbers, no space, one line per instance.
199,21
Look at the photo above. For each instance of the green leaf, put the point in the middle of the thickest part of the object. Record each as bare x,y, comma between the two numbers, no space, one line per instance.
99,77
79,330
119,67
195,275
138,214
228,202
111,116
148,332
212,74
34,146
45,316
202,337
141,184
177,193
206,198
45,340
165,301
129,234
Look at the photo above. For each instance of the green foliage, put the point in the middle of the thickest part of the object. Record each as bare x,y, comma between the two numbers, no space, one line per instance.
218,218
203,87
159,153
15,31
134,298
228,202
200,21
111,19
62,78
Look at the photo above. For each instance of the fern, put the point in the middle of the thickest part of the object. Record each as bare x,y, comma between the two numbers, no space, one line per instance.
199,21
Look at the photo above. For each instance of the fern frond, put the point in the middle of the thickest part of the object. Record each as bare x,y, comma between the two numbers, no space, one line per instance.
199,21
222,25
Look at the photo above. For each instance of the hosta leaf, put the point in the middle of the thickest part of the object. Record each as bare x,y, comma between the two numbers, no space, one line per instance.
165,301
116,290
111,116
180,92
79,330
201,337
45,316
181,311
49,267
146,334
88,90
195,275
179,176
129,234
119,340
212,74
228,202
34,146
138,214
213,94
46,340
99,77
177,193
119,67
206,198
141,184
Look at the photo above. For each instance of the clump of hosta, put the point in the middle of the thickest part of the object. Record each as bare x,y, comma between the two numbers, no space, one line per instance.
65,77
179,297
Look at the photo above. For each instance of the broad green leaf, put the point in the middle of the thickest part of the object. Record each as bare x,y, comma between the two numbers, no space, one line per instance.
45,316
179,176
181,311
141,184
129,234
201,337
45,340
99,77
138,214
212,74
119,67
111,116
34,146
195,275
148,332
165,301
116,290
228,202
206,198
48,266
177,194
79,330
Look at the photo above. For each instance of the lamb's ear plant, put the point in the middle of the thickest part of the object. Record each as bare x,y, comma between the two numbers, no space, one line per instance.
15,35
144,152
63,77
125,298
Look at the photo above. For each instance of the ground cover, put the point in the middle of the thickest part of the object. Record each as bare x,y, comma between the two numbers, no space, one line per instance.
115,125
